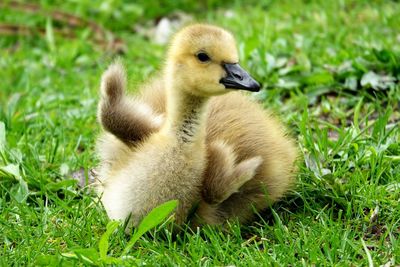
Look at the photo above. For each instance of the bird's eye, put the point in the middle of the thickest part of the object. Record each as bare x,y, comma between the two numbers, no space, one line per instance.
203,57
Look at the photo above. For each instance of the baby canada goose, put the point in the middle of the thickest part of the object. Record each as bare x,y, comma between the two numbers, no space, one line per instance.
175,142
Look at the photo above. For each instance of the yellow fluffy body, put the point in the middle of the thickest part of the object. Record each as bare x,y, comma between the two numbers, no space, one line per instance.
197,142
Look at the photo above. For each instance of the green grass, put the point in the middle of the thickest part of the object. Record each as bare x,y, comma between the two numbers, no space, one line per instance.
312,58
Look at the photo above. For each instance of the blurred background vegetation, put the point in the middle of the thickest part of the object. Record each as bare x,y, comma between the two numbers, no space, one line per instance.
288,44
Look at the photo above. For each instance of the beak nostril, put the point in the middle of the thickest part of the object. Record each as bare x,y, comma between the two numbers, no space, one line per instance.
238,76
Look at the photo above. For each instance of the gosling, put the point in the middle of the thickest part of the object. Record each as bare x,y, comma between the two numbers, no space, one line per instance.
228,152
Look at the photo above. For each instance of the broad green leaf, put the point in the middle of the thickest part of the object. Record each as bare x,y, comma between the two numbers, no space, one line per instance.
351,83
73,255
113,261
20,191
154,218
47,260
103,244
304,62
86,255
55,186
11,170
377,81
64,169
385,56
318,78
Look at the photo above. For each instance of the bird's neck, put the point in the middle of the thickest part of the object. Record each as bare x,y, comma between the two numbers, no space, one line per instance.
185,115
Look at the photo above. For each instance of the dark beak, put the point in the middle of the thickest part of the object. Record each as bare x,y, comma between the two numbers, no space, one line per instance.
238,78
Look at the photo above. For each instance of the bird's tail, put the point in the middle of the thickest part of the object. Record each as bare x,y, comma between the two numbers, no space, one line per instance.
113,83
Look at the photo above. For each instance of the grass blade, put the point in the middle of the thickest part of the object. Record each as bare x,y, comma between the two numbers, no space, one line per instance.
2,136
50,35
103,244
154,218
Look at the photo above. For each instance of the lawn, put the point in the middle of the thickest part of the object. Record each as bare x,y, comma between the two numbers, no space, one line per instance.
330,70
